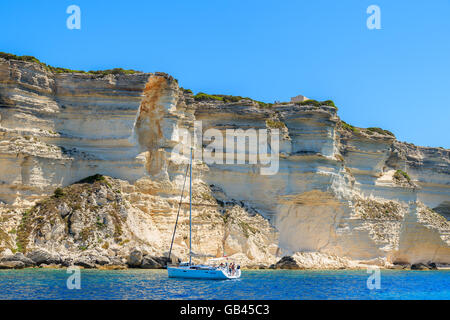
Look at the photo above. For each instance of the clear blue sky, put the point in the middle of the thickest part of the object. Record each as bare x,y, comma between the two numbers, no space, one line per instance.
397,78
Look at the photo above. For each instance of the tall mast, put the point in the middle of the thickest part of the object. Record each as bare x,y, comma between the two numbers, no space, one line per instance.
178,213
190,211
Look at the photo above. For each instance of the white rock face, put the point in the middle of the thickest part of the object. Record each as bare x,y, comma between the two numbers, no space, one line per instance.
337,193
69,126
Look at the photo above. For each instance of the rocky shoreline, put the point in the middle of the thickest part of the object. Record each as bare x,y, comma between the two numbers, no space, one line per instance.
288,262
138,260
44,259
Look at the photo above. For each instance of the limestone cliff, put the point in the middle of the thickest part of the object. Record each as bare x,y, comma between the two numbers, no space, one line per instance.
342,197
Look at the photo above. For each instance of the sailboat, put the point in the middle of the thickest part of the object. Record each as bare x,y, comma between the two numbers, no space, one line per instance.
188,270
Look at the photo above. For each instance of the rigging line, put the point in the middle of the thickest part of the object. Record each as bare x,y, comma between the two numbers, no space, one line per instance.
190,210
178,214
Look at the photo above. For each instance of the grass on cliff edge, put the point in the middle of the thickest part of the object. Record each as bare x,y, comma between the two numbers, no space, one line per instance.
380,131
9,56
201,96
315,103
369,131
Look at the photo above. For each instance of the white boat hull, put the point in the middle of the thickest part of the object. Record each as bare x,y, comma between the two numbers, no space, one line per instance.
193,273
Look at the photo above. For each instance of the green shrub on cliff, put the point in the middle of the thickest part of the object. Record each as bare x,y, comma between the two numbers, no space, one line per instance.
369,131
229,98
114,71
312,102
308,103
188,91
9,56
348,127
23,231
61,70
329,103
399,174
201,96
380,131
275,124
264,104
92,179
58,193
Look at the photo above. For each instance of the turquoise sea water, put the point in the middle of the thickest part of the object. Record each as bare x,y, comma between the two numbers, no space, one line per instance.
260,284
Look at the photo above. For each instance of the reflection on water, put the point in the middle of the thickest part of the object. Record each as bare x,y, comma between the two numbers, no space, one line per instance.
260,284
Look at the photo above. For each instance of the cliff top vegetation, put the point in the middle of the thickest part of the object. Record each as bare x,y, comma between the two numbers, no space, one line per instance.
201,96
9,56
369,131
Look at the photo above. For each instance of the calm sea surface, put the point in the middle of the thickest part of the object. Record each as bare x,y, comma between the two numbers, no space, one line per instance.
260,284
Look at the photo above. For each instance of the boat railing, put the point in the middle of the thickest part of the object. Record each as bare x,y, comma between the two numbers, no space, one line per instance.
192,266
